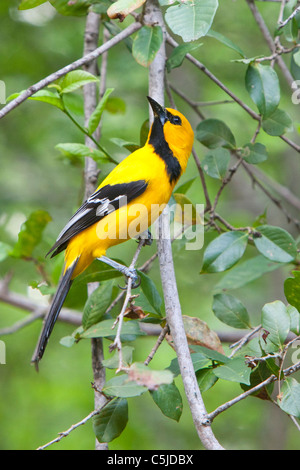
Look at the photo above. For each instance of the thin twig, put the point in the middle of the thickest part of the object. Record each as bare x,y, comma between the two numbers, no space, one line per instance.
71,428
225,181
275,201
251,391
292,15
119,320
160,339
69,68
239,344
193,105
218,82
203,182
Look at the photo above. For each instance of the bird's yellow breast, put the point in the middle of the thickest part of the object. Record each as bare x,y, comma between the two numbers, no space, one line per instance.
130,220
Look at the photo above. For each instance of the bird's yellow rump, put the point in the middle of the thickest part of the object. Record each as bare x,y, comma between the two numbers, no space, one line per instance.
138,188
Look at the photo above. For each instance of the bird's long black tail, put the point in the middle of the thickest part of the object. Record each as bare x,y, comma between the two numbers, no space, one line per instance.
57,303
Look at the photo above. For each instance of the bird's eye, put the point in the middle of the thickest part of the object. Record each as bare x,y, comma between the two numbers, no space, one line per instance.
176,120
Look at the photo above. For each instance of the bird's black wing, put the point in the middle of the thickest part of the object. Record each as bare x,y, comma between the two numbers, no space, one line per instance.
101,203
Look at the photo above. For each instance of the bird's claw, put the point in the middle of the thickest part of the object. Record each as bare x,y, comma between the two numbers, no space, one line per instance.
146,237
132,274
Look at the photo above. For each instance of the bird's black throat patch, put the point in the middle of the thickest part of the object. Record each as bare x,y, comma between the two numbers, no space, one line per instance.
161,148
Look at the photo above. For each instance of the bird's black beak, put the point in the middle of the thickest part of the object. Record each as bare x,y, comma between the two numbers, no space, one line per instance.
158,110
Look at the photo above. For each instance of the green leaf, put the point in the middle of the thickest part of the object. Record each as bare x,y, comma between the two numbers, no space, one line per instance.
144,131
48,97
97,113
26,4
146,44
104,329
150,291
44,288
115,105
30,234
227,42
168,399
215,356
183,188
234,371
254,153
122,8
290,30
199,360
263,86
289,399
150,378
73,103
276,244
215,133
246,272
276,320
67,341
292,290
225,251
100,8
206,379
191,20
231,311
261,219
278,123
111,420
74,151
76,79
131,146
295,68
69,8
294,319
178,54
45,96
113,361
97,304
121,386
296,57
185,212
257,376
216,162
97,272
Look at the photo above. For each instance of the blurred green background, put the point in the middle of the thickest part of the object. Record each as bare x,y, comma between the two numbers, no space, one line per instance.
34,408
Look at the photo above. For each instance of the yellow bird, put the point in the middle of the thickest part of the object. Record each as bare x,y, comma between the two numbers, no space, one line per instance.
134,193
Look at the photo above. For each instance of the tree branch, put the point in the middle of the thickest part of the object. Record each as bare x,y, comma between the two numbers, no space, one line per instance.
172,304
242,396
66,433
90,94
68,68
269,40
292,15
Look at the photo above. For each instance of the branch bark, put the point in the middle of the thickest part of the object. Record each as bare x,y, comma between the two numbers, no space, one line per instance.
269,40
90,93
173,309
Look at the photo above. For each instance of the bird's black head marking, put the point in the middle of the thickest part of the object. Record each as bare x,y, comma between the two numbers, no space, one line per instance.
158,141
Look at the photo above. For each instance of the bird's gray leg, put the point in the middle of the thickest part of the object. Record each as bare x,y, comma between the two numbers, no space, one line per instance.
128,272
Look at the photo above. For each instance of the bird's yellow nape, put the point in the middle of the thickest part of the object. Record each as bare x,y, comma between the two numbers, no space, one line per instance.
179,135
